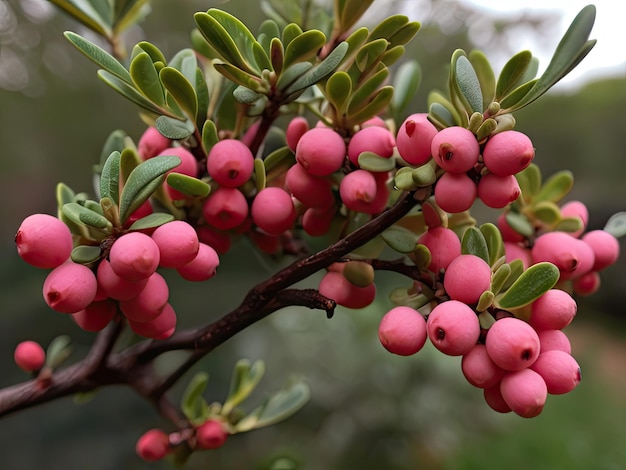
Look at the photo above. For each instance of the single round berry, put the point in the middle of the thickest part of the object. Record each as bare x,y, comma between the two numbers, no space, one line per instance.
114,286
321,151
554,339
605,248
310,190
162,327
493,398
96,316
273,210
572,256
587,284
402,331
509,234
295,129
466,278
149,303
508,153
498,191
512,344
216,239
134,256
444,246
43,241
70,288
375,139
414,139
357,190
579,210
554,310
317,222
202,267
153,445
479,369
453,328
178,243
559,370
335,286
29,356
525,392
513,251
455,192
230,162
211,434
225,208
151,143
455,149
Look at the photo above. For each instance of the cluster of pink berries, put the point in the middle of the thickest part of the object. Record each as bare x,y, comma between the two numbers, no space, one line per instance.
155,443
486,172
125,279
580,255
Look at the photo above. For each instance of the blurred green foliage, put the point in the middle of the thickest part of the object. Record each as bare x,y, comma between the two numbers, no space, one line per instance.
369,409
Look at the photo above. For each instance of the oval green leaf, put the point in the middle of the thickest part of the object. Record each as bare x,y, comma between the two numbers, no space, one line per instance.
468,83
110,177
533,283
99,56
304,47
146,78
474,243
556,187
375,163
400,239
86,254
188,185
181,90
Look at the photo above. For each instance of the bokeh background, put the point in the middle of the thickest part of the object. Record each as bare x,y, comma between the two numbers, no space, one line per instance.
369,409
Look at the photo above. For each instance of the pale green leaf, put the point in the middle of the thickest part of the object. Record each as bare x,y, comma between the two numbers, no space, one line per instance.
533,283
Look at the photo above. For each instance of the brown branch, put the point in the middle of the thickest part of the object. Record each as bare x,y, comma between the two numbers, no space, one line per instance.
133,366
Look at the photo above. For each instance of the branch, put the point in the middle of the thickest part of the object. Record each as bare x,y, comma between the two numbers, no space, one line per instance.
133,366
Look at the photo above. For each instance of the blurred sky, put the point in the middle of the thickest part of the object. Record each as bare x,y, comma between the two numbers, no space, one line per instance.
608,57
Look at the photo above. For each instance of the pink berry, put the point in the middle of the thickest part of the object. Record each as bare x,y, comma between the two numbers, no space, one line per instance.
605,248
29,356
375,139
576,209
70,288
453,328
96,316
188,166
357,190
402,331
554,310
466,278
114,286
273,210
149,303
296,129
512,344
525,392
269,244
177,242
211,434
321,151
162,327
508,233
43,241
479,369
587,284
498,191
317,222
553,339
414,139
455,192
151,143
444,246
455,149
493,398
202,267
336,287
230,163
508,153
225,208
513,251
218,240
559,370
309,190
153,445
134,256
571,255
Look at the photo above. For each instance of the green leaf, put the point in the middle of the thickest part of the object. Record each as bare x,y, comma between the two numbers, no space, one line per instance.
517,268
495,245
128,13
400,239
193,404
292,73
486,320
278,407
388,27
320,70
370,54
485,75
572,48
181,90
406,82
556,187
86,254
511,100
64,194
348,12
375,163
403,179
356,39
202,94
616,225
485,301
290,32
569,224
281,157
442,109
110,177
146,78
499,278
86,14
143,181
58,351
520,224
529,180
533,283
377,105
188,185
209,136
367,90
512,73
81,215
154,220
238,76
338,90
404,35
468,83
99,56
154,52
129,160
547,212
116,141
129,92
259,174
229,37
245,378
246,95
173,128
304,47
474,243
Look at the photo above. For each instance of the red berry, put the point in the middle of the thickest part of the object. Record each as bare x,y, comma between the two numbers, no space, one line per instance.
149,303
162,327
134,256
151,143
466,278
273,210
554,339
524,391
453,328
29,356
498,191
296,129
554,310
479,369
444,246
43,241
508,153
375,139
605,248
402,331
153,445
230,163
512,343
211,434
114,286
455,192
414,139
493,398
335,286
559,370
70,288
202,267
96,316
321,151
358,190
178,243
310,190
225,208
455,149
